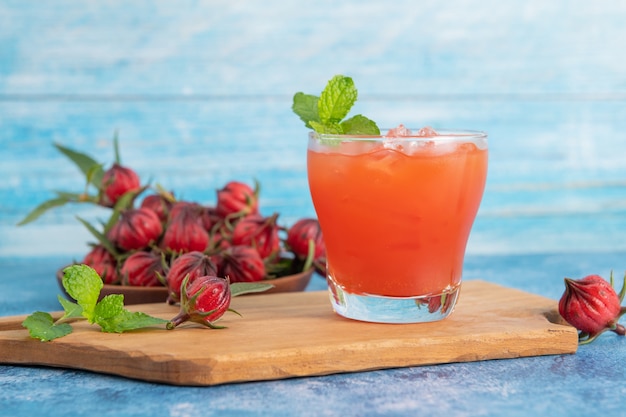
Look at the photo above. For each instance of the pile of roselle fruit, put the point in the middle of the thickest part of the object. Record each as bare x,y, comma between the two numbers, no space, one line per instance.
153,239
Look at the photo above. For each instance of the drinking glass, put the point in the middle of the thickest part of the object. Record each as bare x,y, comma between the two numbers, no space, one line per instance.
396,214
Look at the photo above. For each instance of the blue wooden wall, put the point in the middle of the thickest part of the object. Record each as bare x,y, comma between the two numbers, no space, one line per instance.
200,92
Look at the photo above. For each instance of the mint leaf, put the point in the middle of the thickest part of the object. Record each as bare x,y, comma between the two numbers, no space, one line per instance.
112,317
41,326
128,320
337,99
328,129
324,114
72,310
305,106
83,284
240,288
107,308
359,125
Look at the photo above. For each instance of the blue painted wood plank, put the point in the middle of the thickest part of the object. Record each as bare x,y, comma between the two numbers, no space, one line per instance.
276,47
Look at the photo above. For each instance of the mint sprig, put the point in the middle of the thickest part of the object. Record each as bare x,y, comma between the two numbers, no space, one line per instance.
326,113
83,284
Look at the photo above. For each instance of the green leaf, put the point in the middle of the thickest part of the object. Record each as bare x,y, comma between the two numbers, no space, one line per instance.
337,99
305,106
333,105
41,326
72,310
328,129
359,125
116,147
101,237
240,288
127,321
110,306
94,175
76,197
85,163
42,208
112,317
83,284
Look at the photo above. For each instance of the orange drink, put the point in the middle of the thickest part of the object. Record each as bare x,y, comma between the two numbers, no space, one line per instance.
396,213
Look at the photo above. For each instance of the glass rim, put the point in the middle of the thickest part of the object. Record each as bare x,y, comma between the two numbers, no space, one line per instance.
442,135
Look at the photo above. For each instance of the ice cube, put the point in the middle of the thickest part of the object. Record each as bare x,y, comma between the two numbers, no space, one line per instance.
426,132
399,131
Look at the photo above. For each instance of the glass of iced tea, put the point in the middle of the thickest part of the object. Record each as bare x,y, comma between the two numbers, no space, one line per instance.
396,212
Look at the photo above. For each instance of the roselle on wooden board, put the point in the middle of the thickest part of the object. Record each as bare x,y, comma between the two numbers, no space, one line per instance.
149,232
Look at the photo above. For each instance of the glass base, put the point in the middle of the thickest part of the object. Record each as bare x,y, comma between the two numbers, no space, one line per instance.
382,309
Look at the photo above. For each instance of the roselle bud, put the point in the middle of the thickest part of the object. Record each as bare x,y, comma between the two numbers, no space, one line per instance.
242,264
142,269
237,198
136,229
158,203
203,301
299,235
592,306
260,233
189,265
104,263
116,182
184,231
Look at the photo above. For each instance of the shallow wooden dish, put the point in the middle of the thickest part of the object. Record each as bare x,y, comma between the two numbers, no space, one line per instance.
145,295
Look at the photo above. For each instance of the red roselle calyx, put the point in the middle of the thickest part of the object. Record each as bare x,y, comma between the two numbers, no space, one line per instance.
135,229
592,306
203,301
258,232
158,203
242,264
103,262
191,266
142,269
301,235
117,181
184,231
237,198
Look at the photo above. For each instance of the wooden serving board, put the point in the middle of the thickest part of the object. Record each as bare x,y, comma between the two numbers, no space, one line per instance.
297,334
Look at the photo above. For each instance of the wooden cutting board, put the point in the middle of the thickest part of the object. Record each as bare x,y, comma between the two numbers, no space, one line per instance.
297,334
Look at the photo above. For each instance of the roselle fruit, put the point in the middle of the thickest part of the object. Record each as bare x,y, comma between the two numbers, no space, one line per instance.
242,264
592,306
190,265
158,203
103,262
184,231
117,181
260,232
142,269
237,198
203,300
299,235
136,229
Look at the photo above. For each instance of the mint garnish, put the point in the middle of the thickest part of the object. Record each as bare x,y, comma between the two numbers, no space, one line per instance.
84,284
326,113
41,326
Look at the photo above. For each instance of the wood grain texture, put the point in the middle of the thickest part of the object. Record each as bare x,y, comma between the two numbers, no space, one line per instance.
292,335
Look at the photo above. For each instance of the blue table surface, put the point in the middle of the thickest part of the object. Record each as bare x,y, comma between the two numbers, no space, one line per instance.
200,93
